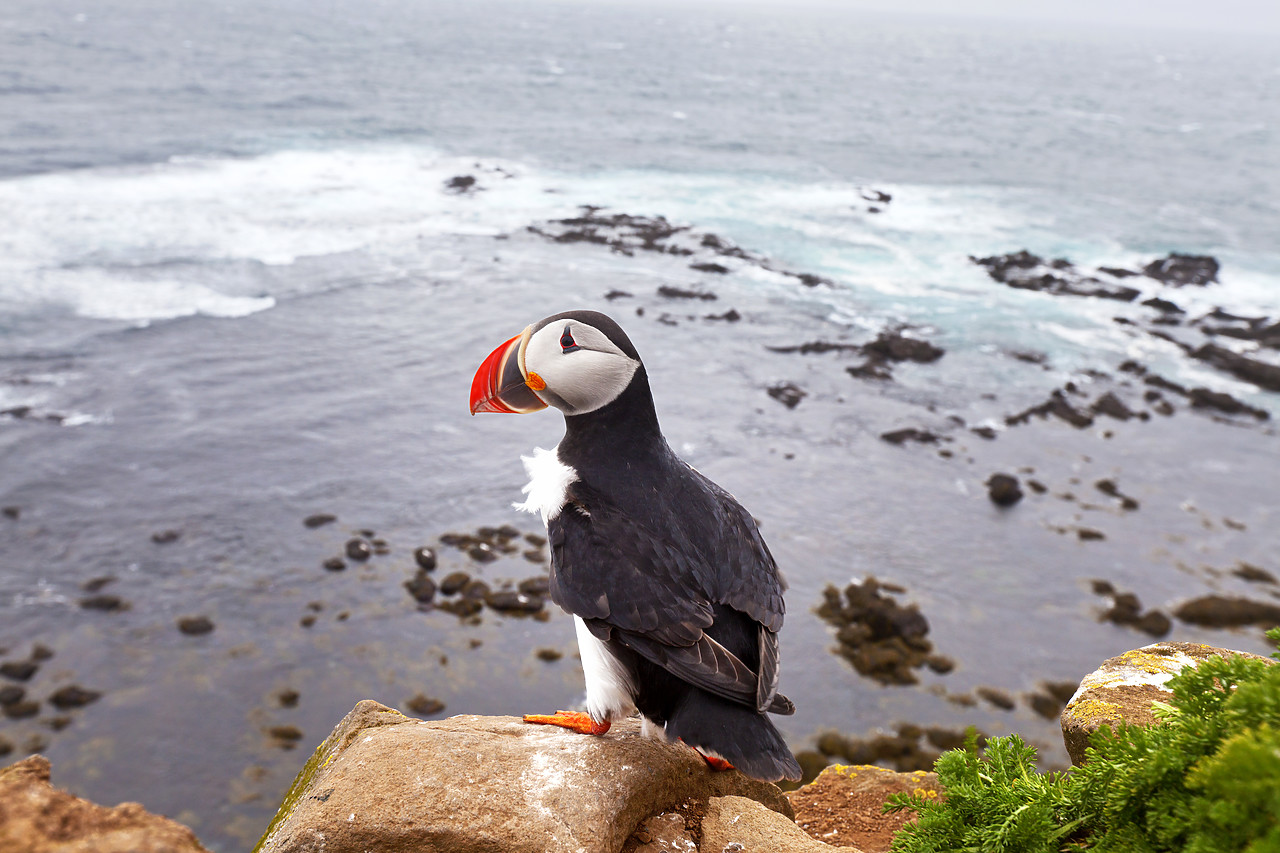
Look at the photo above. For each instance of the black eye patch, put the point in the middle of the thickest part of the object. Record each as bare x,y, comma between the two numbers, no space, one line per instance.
567,343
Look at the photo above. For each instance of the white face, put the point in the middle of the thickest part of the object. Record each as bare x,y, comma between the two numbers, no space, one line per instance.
583,369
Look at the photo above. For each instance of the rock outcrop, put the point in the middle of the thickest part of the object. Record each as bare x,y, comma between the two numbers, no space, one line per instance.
36,817
1124,687
385,782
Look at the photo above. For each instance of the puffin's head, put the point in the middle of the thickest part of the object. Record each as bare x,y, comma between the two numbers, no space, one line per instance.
577,361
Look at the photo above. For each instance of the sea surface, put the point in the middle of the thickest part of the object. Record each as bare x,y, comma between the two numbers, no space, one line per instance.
237,289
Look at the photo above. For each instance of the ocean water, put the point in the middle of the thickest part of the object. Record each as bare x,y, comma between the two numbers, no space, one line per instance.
235,290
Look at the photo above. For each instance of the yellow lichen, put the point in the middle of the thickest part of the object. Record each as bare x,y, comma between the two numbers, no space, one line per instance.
1093,710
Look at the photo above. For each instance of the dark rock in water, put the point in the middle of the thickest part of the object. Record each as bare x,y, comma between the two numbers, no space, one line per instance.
1253,574
95,584
816,347
882,639
1109,487
1045,705
359,549
463,608
287,698
1177,270
1220,611
540,585
318,520
1112,406
535,539
1163,305
454,582
164,537
670,292
1058,406
105,603
334,564
901,436
482,553
911,748
1118,272
894,346
878,196
1203,398
424,706
11,693
73,696
1003,489
986,432
475,589
1025,271
19,670
1252,370
511,601
809,279
549,655
788,394
421,587
195,626
286,737
711,267
1088,534
41,652
730,316
459,184
12,512
425,558
22,710
1258,329
1126,610
996,697
617,294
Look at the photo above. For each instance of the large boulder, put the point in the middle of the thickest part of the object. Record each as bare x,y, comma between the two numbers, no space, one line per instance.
36,817
742,825
385,782
1125,687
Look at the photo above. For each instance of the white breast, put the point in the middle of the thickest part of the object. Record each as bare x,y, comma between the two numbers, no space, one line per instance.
549,481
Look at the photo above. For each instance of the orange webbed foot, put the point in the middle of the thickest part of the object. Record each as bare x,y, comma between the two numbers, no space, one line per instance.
572,720
715,762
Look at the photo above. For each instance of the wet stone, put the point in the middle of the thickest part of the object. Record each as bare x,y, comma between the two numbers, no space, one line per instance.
21,710
288,698
535,540
482,553
510,601
105,603
1003,489
11,512
19,670
549,655
540,585
1253,574
10,694
881,639
286,736
6,746
164,537
421,587
320,519
194,626
996,697
41,652
73,696
424,706
454,582
475,589
425,558
1219,611
358,549
534,556
96,584
1088,534
788,394
334,564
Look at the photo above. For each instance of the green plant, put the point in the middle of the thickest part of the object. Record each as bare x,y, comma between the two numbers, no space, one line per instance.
1206,779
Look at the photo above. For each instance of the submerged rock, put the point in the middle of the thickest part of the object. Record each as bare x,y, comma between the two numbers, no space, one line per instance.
881,639
1003,489
1221,611
1177,270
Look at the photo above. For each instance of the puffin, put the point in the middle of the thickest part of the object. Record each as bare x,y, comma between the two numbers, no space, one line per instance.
676,600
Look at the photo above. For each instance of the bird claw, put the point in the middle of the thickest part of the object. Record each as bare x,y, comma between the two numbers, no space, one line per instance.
572,720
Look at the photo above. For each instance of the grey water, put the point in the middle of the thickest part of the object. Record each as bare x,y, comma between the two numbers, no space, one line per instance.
235,291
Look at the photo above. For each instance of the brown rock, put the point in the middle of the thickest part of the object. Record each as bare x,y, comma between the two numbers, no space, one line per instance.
1124,688
385,782
844,805
36,817
742,825
1221,611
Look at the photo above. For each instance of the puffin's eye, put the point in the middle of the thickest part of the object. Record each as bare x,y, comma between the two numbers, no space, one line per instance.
567,343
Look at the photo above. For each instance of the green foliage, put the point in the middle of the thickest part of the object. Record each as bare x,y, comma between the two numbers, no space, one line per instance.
1205,780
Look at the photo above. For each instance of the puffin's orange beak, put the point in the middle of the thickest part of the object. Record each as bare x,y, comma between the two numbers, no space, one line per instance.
500,384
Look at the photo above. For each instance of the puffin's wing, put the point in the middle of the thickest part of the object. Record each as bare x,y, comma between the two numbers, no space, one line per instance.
630,584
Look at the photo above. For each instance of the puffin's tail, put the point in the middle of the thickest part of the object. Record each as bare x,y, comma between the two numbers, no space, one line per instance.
745,738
